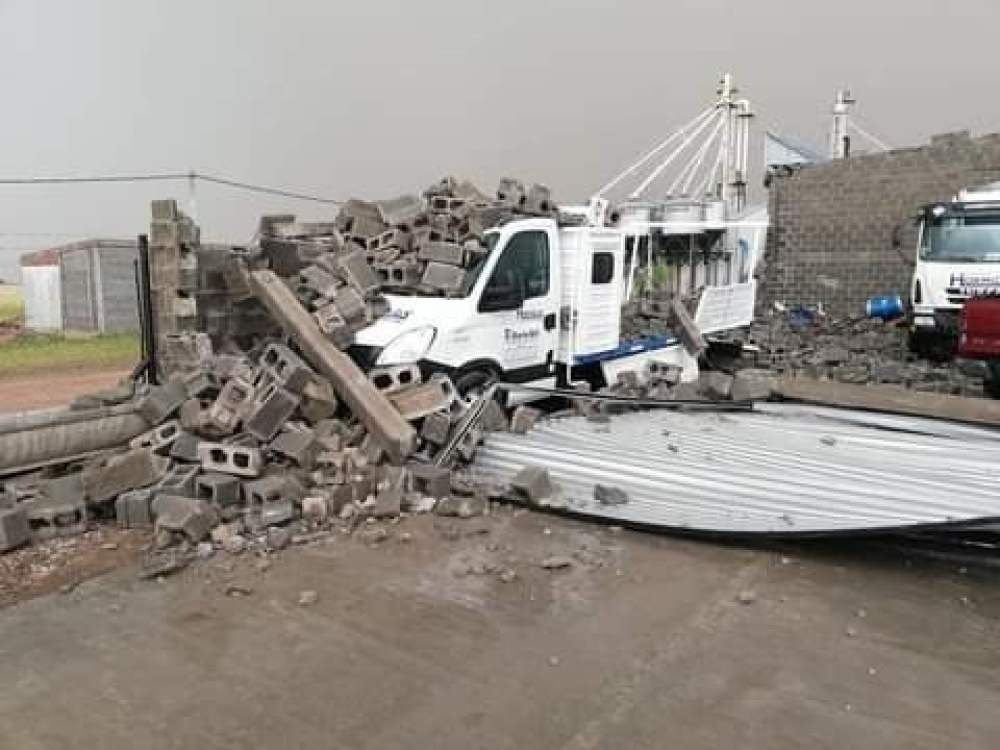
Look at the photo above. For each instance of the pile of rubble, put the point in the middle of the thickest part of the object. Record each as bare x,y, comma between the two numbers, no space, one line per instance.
264,430
857,351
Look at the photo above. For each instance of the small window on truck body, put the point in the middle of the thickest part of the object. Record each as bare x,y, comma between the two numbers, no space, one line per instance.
524,261
602,270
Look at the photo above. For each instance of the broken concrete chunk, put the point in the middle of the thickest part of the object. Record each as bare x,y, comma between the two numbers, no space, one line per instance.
715,385
297,445
15,531
416,402
159,439
133,510
436,428
434,481
163,401
462,507
135,469
318,401
753,385
533,484
443,277
524,419
605,495
185,515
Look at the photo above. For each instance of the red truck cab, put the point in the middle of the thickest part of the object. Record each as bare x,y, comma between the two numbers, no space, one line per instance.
980,336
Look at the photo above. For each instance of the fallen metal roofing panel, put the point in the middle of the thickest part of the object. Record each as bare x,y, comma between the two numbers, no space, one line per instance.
779,470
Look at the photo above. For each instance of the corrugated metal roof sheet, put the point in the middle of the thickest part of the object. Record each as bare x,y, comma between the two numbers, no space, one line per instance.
780,470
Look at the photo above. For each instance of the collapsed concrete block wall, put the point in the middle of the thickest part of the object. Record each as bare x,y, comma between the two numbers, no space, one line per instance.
831,238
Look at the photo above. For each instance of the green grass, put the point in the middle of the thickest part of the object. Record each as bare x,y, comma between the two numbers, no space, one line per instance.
11,304
37,353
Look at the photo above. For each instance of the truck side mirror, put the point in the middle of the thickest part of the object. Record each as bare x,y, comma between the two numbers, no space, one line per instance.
906,254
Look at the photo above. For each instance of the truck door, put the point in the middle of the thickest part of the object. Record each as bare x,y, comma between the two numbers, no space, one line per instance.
518,308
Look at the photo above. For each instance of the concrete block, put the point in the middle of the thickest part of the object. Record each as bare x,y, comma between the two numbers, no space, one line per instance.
316,508
753,385
355,271
351,306
232,405
450,253
396,378
184,515
511,193
299,446
131,471
402,210
436,428
165,210
59,515
237,460
163,401
285,257
180,480
446,278
15,531
533,484
433,481
185,448
270,410
658,372
286,367
159,439
317,280
523,419
715,385
199,384
539,201
628,379
271,499
401,274
494,418
222,490
333,326
437,394
133,510
318,401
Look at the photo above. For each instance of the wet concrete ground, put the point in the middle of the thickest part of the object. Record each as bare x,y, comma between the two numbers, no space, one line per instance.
425,641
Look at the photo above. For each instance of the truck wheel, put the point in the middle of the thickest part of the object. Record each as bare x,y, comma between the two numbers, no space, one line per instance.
472,383
992,384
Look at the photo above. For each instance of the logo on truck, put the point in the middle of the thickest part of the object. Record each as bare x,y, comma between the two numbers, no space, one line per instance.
974,283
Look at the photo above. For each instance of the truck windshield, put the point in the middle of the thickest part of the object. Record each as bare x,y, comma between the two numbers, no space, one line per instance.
963,239
474,270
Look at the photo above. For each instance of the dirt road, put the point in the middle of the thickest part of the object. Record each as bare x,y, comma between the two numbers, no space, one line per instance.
455,636
47,389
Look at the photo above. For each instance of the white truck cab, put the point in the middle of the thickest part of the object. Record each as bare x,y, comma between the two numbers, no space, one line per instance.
958,257
543,307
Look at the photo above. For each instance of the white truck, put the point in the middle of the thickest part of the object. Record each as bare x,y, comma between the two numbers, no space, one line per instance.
958,257
543,307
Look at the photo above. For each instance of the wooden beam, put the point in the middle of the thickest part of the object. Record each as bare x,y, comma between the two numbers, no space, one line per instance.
890,398
383,420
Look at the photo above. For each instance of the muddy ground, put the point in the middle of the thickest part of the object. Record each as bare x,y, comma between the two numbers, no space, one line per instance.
453,634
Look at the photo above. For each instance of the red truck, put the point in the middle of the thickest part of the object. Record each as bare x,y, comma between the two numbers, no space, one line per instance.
980,336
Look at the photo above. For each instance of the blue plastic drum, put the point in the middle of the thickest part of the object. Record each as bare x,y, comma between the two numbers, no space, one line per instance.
886,308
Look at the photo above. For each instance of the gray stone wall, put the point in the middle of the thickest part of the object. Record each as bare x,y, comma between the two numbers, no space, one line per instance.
832,224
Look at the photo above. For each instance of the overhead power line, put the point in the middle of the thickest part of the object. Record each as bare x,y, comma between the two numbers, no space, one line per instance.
171,176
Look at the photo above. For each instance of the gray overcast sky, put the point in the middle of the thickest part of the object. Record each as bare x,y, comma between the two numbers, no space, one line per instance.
378,97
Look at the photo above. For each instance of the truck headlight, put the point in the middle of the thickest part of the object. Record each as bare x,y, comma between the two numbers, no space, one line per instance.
408,347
